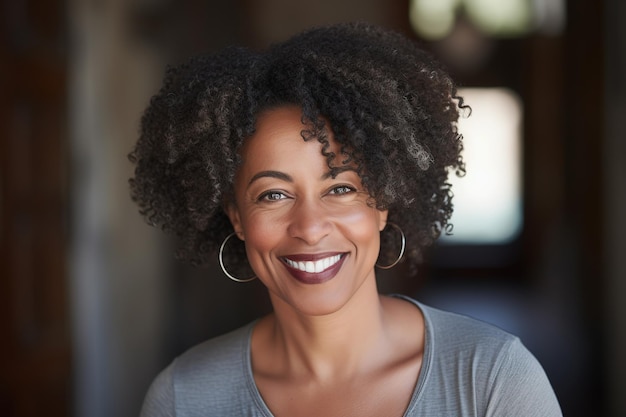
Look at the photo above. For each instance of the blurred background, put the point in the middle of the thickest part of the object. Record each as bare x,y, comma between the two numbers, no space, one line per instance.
92,302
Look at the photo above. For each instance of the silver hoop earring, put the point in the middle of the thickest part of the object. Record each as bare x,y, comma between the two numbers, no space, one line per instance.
402,246
222,262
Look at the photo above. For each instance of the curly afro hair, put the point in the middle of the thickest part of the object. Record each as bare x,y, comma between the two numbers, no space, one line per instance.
390,106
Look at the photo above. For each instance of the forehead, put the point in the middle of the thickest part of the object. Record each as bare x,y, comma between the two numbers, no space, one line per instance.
278,140
277,124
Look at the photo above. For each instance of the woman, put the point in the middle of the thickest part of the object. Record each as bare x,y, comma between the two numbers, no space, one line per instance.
326,156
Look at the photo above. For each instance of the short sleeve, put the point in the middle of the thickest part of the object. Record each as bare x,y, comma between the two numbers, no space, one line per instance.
159,401
521,387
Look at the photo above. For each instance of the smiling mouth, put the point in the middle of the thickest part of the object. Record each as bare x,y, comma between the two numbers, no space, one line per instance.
314,267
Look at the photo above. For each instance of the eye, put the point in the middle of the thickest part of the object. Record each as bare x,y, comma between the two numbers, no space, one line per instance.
272,195
342,190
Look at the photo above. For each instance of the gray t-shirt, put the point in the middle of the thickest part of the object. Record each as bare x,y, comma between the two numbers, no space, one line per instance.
469,368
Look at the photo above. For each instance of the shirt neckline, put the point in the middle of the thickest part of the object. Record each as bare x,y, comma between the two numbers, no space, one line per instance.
419,385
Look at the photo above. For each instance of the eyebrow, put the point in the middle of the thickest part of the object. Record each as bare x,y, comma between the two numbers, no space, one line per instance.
286,177
271,174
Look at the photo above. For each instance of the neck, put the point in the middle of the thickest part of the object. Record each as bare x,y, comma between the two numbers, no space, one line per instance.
331,345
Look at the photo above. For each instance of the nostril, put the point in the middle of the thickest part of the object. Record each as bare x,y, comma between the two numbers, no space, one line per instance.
310,230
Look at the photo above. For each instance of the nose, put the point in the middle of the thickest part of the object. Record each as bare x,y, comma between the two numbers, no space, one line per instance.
309,222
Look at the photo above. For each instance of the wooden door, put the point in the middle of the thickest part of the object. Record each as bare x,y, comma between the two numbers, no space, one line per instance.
35,360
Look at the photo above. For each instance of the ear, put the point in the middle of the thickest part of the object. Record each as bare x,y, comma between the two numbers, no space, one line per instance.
382,219
235,218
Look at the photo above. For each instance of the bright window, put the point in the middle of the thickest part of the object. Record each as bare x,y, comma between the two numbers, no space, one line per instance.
488,199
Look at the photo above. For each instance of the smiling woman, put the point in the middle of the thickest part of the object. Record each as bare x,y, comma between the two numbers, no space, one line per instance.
301,224
307,153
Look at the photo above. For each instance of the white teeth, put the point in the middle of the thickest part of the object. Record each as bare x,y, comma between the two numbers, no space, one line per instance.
314,266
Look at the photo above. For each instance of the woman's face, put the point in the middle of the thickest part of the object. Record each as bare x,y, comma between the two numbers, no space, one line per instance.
311,239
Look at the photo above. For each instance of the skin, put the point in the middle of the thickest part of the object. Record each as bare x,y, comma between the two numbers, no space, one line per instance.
333,346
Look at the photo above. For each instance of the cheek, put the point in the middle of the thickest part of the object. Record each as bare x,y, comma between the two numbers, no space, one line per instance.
362,224
265,231
262,232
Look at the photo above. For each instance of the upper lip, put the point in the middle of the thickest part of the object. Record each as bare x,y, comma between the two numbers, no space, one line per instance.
303,257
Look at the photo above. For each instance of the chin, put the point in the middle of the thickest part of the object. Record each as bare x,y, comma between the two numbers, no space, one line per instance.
317,302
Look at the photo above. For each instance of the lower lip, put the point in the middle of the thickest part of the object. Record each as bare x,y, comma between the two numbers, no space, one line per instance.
316,278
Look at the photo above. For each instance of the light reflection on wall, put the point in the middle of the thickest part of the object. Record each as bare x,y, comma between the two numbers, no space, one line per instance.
488,199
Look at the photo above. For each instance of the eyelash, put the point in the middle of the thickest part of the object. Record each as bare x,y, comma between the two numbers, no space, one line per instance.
266,196
346,190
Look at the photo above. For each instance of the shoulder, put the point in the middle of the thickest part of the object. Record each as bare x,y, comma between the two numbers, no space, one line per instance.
459,346
499,375
451,331
216,355
208,374
480,348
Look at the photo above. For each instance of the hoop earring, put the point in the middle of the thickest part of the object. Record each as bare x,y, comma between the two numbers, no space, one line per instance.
402,247
222,262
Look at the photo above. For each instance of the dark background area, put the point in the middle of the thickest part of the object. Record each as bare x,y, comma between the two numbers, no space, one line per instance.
93,304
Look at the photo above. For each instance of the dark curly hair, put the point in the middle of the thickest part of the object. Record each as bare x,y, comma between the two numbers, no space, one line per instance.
390,106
